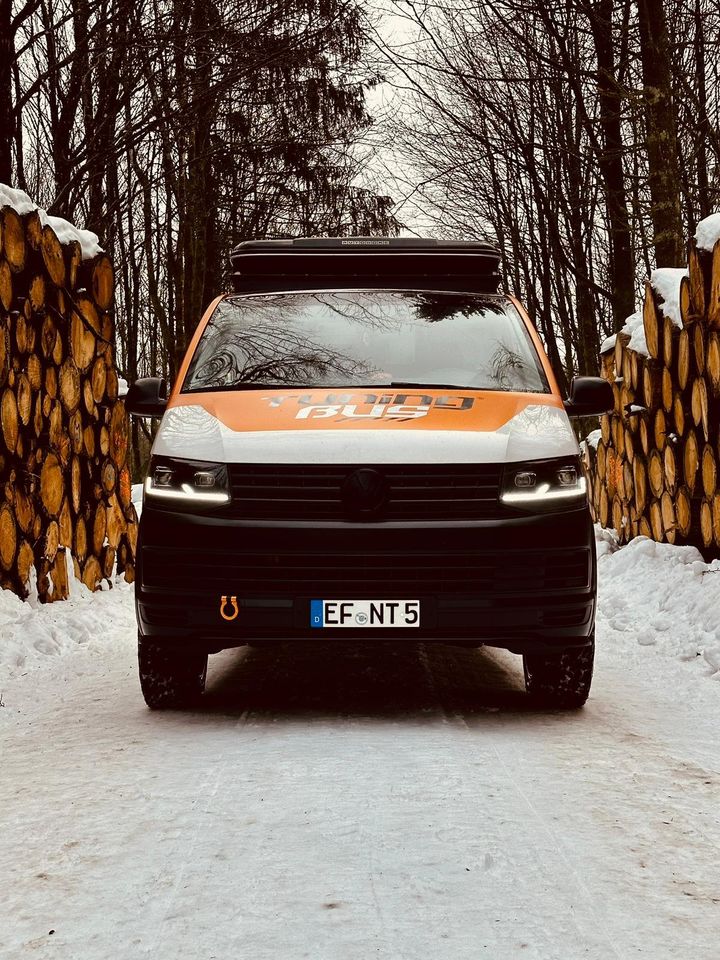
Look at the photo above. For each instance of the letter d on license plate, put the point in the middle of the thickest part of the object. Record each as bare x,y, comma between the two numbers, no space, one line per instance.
364,613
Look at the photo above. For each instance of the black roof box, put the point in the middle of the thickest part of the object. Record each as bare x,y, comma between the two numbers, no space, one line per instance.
399,262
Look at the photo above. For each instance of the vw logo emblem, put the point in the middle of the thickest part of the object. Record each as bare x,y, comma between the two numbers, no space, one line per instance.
364,493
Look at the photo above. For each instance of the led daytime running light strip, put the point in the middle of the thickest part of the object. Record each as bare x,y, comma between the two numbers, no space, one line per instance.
544,492
185,493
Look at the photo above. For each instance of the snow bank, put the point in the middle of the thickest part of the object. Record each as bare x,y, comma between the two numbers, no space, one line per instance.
665,282
708,232
34,634
122,387
662,596
66,232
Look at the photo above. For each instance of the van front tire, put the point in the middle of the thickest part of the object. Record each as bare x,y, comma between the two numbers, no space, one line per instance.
560,680
170,679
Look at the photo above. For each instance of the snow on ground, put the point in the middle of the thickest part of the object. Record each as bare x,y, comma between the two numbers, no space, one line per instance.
662,596
37,637
398,802
66,232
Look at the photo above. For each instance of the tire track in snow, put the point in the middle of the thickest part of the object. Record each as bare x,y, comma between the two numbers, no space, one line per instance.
207,792
183,850
564,865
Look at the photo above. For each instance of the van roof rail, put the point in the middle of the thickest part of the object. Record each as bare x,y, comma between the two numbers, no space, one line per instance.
400,262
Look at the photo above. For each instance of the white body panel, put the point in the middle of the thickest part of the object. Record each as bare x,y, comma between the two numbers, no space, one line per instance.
538,432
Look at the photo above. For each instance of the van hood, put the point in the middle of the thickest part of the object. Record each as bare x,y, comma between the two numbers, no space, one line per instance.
352,426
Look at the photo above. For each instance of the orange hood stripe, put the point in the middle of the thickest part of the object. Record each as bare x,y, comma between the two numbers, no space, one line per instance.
366,408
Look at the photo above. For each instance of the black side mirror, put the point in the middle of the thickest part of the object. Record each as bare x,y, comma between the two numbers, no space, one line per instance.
147,397
589,397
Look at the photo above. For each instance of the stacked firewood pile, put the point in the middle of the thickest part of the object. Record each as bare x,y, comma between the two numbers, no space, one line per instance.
653,466
65,490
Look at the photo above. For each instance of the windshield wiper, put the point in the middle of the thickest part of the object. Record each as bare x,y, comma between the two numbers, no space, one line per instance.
430,386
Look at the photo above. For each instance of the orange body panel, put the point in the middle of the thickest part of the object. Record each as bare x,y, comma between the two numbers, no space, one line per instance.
363,408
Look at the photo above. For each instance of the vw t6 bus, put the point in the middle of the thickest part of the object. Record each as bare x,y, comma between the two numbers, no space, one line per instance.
365,440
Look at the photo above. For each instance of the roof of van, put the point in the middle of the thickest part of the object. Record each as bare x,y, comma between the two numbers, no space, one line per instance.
326,262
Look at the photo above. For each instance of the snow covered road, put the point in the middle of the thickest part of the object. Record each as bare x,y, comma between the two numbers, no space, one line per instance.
392,802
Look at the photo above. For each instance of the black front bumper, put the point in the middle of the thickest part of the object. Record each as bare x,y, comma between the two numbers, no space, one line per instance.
520,583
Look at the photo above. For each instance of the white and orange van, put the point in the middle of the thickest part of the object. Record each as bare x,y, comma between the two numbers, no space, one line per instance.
366,439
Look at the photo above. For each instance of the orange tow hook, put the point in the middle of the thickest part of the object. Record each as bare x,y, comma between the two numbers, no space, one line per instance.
234,609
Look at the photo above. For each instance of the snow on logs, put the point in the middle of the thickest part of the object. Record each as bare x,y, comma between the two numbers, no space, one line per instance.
65,491
653,465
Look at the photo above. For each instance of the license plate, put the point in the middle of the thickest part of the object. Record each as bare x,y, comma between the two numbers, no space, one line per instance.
364,613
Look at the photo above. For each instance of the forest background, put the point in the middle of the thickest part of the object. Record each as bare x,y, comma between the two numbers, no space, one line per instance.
581,135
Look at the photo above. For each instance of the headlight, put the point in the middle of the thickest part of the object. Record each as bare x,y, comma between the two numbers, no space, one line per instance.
544,484
187,481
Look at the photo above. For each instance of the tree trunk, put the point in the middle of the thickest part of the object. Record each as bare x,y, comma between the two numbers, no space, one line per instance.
201,198
610,161
703,185
7,113
661,135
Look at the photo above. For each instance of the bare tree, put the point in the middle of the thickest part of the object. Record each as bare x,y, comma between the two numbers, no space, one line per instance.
581,134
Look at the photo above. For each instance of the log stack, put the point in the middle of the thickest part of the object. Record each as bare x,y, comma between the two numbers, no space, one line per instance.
653,466
65,491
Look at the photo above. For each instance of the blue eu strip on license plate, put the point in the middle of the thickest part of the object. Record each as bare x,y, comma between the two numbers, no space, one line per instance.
364,613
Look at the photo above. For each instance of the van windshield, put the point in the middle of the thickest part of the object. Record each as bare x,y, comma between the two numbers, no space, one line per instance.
366,338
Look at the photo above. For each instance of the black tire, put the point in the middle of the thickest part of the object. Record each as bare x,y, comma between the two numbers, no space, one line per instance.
560,680
170,678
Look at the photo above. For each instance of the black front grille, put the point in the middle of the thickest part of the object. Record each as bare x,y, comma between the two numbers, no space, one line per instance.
315,492
273,571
